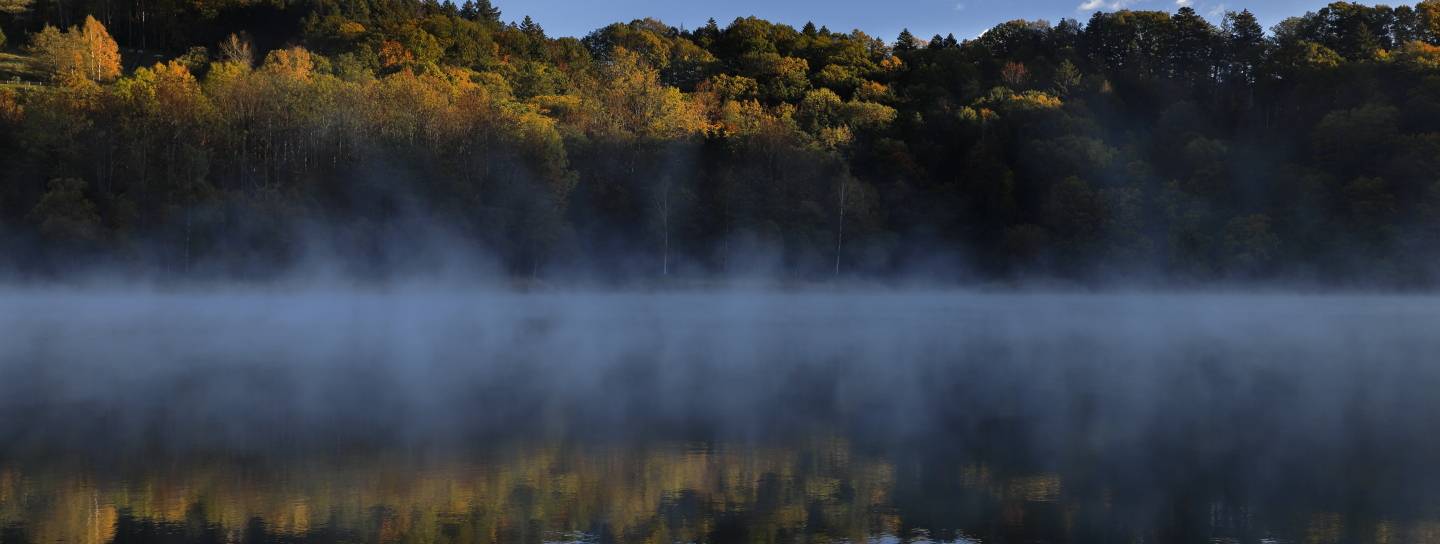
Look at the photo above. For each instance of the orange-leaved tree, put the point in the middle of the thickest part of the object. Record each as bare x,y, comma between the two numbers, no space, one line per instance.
86,50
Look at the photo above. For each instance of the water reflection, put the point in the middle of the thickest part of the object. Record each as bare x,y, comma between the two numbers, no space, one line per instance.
682,418
821,489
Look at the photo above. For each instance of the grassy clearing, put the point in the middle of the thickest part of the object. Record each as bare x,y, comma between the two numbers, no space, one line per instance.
23,72
20,71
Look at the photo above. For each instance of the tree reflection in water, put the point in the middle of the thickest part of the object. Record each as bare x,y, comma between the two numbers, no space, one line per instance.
699,417
819,489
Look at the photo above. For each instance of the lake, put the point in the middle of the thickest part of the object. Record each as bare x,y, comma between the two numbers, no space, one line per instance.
455,415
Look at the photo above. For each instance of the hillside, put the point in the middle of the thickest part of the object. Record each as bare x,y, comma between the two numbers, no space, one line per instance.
384,137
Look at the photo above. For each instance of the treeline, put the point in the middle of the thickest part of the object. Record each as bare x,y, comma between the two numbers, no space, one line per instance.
236,136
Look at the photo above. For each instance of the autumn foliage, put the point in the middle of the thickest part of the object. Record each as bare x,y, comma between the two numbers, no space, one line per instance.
87,50
1139,144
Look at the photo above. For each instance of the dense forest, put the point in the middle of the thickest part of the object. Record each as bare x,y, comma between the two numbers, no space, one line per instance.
248,137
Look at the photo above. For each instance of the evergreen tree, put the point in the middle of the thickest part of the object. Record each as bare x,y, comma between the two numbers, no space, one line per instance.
1190,45
531,29
1362,43
706,36
905,42
481,10
534,37
1244,46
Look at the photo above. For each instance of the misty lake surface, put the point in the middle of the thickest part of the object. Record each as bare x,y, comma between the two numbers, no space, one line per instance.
434,415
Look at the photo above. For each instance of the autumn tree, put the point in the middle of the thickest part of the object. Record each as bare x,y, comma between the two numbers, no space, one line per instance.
15,8
1428,15
87,50
168,127
1015,75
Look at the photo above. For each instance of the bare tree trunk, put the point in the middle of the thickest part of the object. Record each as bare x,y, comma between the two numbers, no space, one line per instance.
725,243
188,205
665,224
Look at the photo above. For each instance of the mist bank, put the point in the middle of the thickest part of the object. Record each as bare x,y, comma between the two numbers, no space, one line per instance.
1268,377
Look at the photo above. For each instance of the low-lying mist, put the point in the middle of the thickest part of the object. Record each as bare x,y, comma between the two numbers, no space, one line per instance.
1254,404
261,369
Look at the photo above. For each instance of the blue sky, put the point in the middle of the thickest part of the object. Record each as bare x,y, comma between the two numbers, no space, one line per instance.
965,18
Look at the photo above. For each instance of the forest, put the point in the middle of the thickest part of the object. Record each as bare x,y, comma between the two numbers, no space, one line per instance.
246,138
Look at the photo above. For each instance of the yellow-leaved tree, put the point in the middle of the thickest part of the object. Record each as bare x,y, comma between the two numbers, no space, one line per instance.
86,50
633,102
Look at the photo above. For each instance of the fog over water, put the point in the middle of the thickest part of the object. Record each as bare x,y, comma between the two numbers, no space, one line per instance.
1153,405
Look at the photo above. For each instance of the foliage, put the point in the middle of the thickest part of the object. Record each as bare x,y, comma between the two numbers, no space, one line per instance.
1139,140
86,50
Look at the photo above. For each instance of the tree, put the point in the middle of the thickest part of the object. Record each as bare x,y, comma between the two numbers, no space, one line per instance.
1250,244
1244,46
168,124
1428,14
1345,140
486,11
849,195
1139,136
1420,55
707,35
15,8
1132,41
237,49
1362,44
530,28
65,214
532,31
636,105
1067,78
87,50
11,113
100,52
1190,46
782,79
1077,216
1015,75
905,42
